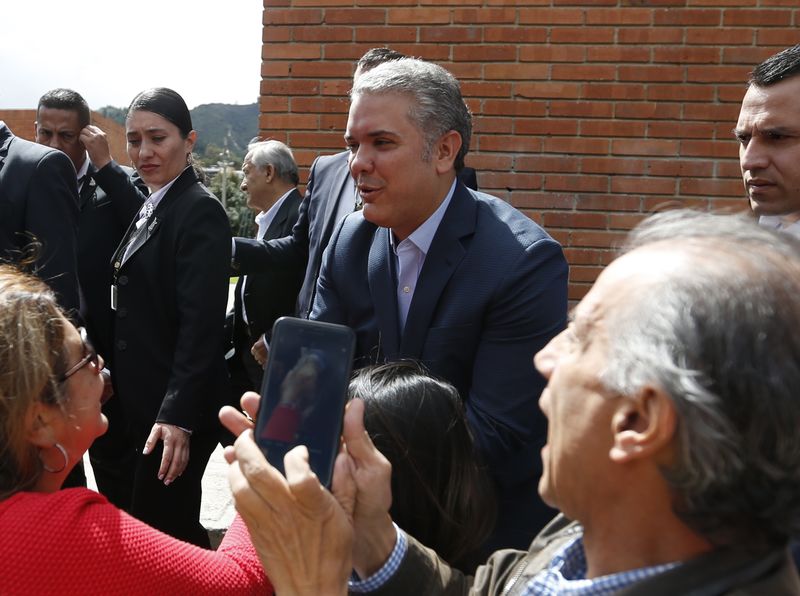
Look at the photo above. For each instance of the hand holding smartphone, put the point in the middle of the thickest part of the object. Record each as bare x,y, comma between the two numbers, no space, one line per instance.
304,392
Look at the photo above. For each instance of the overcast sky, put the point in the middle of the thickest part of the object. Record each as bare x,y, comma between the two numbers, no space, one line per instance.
209,51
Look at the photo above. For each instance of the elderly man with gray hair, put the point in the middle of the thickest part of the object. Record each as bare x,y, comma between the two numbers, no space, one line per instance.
270,179
673,448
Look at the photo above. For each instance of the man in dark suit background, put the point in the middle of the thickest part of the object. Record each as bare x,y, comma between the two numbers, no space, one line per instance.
433,271
39,202
270,181
108,199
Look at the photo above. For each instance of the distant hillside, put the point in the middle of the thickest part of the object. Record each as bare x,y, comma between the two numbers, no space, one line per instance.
212,122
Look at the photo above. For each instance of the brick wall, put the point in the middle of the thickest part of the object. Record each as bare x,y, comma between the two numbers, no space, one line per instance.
588,114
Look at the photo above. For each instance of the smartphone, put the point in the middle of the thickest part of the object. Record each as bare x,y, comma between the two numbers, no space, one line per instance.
304,392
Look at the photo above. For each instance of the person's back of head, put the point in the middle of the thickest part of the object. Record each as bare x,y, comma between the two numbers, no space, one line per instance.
441,494
721,338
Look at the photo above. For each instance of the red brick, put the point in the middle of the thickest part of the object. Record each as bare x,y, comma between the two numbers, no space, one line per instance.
644,147
514,34
576,183
485,15
320,104
756,18
572,219
450,34
597,238
651,74
617,54
687,55
586,256
548,53
712,112
777,38
292,51
511,181
687,16
584,274
649,110
550,16
582,35
291,121
680,168
576,292
619,16
718,37
573,72
609,203
748,56
546,126
493,125
272,68
545,163
275,34
680,93
729,169
484,53
335,88
323,3
289,87
266,133
643,185
626,91
659,204
333,122
650,35
320,140
624,221
731,93
484,162
415,16
547,90
355,16
512,72
269,103
464,70
707,148
508,143
581,109
613,165
511,107
485,89
386,35
680,130
322,34
711,188
448,2
576,146
612,128
292,16
717,74
322,70
543,200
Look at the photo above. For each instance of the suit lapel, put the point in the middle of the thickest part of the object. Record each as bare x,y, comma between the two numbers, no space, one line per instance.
444,255
279,221
88,189
382,286
345,192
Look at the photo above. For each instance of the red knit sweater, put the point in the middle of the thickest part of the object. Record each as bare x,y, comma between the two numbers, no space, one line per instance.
75,542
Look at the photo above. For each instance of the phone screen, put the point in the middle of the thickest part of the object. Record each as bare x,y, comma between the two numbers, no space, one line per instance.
304,392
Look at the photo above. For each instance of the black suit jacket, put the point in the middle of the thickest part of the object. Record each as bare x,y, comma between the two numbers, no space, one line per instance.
108,201
168,326
329,187
39,199
269,295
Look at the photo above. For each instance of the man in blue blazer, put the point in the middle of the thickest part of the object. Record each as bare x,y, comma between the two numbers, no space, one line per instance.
39,202
458,279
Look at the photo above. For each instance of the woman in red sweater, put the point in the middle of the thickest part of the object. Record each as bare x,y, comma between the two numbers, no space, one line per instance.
74,541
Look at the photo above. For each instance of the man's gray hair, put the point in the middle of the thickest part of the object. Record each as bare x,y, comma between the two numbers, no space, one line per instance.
438,104
722,338
276,154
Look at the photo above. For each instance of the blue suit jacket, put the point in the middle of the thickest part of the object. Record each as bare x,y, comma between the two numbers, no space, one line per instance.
492,292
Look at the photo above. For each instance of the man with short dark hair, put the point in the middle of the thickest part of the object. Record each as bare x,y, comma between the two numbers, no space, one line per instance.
768,131
109,196
672,445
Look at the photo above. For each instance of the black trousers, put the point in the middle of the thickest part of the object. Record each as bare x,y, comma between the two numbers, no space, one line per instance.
113,456
245,375
173,509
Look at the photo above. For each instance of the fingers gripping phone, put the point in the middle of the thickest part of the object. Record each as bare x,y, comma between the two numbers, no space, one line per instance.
304,392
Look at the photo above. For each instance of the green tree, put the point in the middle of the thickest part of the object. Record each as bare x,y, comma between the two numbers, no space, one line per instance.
240,215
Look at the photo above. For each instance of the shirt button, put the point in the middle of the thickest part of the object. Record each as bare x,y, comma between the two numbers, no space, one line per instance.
122,345
123,280
406,289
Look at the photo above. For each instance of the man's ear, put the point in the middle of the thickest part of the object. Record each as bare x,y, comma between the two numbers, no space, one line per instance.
269,172
446,150
42,423
643,425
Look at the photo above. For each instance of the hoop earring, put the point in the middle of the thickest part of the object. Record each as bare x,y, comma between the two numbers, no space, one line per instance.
64,455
